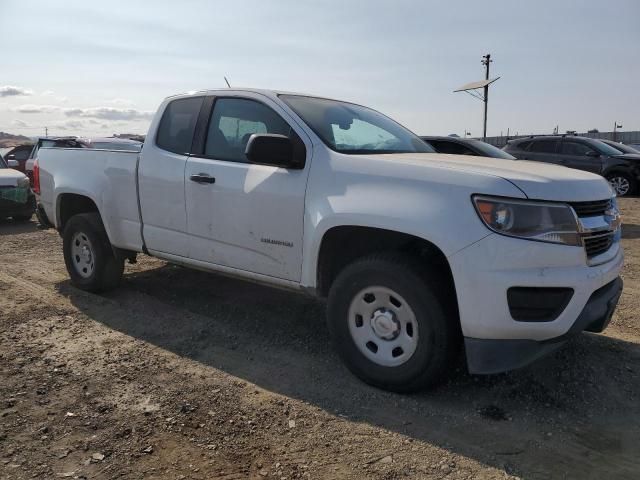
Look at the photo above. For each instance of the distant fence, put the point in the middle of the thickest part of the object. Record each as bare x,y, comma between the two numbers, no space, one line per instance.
624,137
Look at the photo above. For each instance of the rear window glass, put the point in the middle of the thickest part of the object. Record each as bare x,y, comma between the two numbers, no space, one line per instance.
178,123
523,145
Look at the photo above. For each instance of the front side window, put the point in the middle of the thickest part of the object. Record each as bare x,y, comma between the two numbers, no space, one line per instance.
233,121
451,148
575,148
178,123
354,129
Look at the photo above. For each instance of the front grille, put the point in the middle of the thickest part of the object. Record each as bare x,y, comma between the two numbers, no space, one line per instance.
591,209
597,244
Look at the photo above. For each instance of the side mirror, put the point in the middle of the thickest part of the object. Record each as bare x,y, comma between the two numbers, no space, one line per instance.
592,153
12,163
11,157
272,149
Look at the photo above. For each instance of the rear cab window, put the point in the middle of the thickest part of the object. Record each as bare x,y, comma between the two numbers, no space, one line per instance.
175,132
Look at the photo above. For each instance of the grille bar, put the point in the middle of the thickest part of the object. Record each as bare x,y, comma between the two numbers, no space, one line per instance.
590,209
597,244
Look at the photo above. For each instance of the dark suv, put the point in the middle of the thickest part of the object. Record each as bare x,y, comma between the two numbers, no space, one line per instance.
621,169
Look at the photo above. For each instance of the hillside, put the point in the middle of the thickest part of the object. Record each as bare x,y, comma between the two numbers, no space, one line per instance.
8,140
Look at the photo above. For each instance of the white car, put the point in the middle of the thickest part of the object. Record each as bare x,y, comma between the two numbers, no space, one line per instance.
16,197
418,253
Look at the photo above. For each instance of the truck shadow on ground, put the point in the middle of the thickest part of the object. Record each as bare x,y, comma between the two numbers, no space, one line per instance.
571,414
11,227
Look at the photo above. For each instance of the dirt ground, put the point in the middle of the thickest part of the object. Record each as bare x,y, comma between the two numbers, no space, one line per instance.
181,374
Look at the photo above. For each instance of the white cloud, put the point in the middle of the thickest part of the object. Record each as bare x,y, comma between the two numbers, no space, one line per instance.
109,113
123,102
30,108
11,91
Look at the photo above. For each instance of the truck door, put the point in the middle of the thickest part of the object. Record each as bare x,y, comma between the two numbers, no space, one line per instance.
242,215
161,177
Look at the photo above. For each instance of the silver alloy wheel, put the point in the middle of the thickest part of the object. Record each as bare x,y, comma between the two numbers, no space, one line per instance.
383,326
620,185
82,255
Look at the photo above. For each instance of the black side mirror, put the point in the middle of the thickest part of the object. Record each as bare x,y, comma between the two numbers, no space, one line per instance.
272,149
592,153
11,157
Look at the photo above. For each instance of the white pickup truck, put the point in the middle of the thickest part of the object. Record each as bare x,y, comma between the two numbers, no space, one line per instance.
418,253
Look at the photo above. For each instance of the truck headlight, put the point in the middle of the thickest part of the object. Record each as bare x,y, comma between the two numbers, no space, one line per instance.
529,220
23,183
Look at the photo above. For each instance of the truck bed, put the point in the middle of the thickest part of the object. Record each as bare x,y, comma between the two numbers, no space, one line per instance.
108,177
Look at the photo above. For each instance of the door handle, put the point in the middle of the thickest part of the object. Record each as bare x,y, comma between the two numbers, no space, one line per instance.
202,178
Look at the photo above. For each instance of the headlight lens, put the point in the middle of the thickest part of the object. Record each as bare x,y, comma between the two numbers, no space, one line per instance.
24,183
530,220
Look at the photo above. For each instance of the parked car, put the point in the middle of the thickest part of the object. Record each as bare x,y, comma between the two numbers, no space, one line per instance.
622,170
20,154
465,146
416,251
622,147
16,197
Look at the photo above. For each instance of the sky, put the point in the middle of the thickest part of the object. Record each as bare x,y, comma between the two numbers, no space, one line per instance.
94,68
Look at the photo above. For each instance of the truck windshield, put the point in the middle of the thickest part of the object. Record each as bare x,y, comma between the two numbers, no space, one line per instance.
353,129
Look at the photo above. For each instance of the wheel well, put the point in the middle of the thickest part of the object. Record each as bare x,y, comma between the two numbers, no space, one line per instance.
70,204
342,245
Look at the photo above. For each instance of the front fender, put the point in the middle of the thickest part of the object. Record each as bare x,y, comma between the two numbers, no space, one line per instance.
439,210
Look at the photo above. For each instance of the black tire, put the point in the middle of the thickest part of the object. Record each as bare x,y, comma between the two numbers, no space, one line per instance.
438,325
22,218
107,269
630,179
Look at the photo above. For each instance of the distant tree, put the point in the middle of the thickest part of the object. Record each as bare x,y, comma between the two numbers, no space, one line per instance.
593,130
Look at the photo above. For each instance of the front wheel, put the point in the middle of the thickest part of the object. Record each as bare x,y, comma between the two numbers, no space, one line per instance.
392,327
88,255
622,183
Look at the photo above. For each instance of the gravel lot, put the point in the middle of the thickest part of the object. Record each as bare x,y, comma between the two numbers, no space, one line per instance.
182,374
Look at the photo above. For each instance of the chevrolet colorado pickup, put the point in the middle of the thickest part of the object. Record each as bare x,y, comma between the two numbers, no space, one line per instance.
418,254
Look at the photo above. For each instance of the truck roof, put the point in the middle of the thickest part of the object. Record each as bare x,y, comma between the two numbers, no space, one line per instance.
263,91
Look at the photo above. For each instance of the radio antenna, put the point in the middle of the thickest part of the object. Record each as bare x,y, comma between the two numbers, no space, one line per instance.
225,79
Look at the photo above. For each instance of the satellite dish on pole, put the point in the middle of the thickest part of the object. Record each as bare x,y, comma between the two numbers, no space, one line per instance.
473,89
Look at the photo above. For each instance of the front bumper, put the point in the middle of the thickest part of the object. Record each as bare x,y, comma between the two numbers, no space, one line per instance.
483,274
485,356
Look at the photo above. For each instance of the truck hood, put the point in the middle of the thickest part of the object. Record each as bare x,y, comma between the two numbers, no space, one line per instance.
9,177
541,181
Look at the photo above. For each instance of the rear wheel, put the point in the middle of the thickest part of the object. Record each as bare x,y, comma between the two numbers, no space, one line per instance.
88,255
622,183
392,326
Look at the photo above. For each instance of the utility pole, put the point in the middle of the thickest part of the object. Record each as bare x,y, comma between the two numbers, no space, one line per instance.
473,89
46,132
486,60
